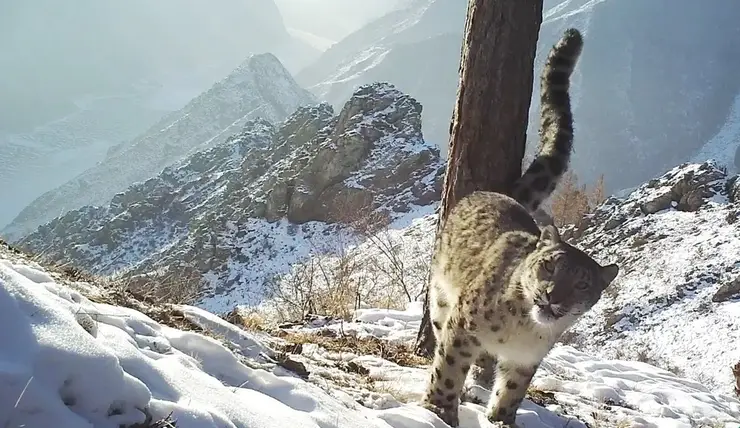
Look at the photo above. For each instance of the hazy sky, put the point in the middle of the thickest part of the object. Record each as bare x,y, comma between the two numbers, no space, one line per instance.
333,19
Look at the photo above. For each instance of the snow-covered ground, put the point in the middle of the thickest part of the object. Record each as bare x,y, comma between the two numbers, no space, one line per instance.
70,361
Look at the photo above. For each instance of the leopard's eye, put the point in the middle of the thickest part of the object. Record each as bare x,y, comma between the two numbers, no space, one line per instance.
581,285
549,266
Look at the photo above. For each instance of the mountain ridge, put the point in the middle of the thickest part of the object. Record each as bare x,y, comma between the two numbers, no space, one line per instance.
259,87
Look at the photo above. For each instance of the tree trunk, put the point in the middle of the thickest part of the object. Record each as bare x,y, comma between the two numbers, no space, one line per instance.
489,123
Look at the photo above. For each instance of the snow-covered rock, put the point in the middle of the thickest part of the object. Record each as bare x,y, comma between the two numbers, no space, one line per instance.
72,357
260,88
246,209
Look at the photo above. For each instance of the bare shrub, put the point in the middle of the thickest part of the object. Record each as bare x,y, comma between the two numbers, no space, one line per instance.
736,375
571,201
377,268
175,285
321,285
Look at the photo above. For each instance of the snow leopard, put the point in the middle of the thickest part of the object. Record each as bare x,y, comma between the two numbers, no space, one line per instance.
502,290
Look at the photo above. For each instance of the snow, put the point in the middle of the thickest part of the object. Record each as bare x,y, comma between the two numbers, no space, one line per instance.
68,362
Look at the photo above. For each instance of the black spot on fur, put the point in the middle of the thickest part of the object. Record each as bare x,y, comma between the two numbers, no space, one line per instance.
466,354
558,78
512,385
456,343
449,384
437,325
540,183
438,372
450,360
451,397
465,369
495,327
488,315
441,303
536,167
562,62
475,340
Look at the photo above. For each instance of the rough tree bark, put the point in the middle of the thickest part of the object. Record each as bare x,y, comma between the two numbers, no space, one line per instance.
489,123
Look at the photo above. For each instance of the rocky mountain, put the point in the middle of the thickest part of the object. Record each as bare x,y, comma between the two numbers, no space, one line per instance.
53,153
76,84
646,96
260,88
246,209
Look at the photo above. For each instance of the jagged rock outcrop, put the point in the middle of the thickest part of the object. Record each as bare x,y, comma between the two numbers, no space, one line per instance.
260,88
244,210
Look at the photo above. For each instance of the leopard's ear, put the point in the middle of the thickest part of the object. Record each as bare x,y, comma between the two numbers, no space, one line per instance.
549,235
609,273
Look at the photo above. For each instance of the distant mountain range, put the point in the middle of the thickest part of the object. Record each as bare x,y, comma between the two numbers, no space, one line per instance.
260,88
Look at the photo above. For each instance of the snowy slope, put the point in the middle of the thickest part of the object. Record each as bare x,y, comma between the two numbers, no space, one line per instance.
260,88
674,303
73,357
268,196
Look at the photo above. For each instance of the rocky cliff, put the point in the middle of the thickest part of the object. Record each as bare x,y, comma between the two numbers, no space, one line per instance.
246,209
260,88
655,81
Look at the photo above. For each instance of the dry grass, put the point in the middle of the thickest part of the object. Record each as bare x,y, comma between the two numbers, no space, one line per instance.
178,285
250,320
402,355
541,398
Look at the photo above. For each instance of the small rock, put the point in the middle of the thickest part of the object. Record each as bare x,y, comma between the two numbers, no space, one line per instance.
659,203
614,222
727,291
